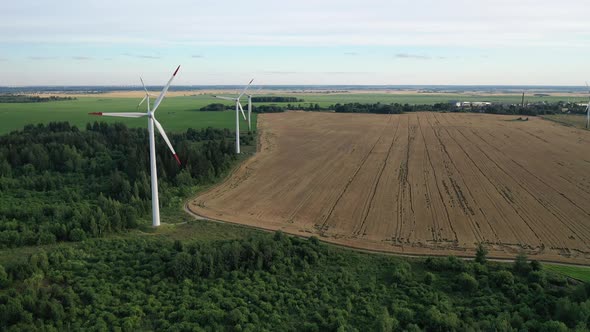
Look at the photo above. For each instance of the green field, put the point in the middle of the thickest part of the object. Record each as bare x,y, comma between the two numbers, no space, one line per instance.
581,273
179,113
176,113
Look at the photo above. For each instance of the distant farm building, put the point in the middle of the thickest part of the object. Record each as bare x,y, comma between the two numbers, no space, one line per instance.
464,104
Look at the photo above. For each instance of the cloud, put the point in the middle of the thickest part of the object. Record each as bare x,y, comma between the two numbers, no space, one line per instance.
142,56
38,58
351,53
278,72
81,58
197,56
345,72
412,56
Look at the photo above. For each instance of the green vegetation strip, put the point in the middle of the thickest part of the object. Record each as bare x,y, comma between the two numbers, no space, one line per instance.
581,273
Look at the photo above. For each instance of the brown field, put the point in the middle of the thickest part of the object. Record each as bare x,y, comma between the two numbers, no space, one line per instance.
421,183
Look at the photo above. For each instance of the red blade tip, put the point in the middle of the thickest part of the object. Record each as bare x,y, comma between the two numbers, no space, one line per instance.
176,71
95,113
177,160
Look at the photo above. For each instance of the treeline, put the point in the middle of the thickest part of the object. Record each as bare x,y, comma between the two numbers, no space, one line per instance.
275,99
398,108
10,98
531,109
280,283
215,107
59,183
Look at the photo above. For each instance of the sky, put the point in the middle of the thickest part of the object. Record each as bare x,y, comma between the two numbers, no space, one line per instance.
390,42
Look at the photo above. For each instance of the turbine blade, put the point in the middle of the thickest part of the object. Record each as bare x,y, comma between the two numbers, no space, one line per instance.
161,96
241,109
163,133
246,88
141,79
141,102
122,115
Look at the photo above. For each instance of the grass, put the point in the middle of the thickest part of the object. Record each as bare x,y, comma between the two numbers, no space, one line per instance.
581,273
176,114
572,120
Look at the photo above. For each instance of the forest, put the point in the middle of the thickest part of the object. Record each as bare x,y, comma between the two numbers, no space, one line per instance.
71,260
279,283
60,183
275,99
15,98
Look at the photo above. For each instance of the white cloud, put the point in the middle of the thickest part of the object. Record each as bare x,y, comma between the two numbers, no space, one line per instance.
484,23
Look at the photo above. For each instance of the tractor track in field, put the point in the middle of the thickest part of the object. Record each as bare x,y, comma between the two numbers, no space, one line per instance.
467,209
362,227
492,183
323,226
436,181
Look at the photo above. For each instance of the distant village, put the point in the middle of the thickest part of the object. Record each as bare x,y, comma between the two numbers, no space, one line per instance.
483,106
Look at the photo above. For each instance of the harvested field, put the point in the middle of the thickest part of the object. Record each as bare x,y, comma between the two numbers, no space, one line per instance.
419,183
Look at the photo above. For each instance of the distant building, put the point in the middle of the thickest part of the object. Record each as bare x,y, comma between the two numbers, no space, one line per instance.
473,103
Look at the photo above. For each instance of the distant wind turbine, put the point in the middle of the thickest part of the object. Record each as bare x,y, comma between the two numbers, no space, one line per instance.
238,109
588,108
151,122
250,109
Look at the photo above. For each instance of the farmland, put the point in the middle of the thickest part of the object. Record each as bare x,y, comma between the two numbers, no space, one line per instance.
176,114
420,183
179,112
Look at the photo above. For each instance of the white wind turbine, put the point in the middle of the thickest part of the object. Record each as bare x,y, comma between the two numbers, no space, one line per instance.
250,109
588,108
151,122
238,109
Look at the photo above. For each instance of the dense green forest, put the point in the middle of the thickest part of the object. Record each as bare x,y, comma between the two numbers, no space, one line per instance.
11,98
275,99
274,282
60,183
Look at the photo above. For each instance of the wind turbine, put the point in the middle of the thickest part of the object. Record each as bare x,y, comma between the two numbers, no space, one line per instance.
238,109
250,110
151,122
588,108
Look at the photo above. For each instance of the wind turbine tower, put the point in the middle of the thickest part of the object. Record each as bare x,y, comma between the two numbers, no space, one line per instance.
238,109
151,123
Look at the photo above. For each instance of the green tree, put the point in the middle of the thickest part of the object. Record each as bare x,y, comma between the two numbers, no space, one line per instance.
481,254
4,281
520,265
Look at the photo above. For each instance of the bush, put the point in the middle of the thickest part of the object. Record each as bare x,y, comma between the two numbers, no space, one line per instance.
503,279
429,278
466,282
